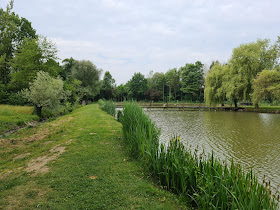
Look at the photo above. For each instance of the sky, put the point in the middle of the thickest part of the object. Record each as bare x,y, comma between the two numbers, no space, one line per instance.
128,36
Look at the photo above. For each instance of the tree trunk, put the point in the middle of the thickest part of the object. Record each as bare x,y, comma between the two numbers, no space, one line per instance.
163,93
257,106
38,111
169,93
235,103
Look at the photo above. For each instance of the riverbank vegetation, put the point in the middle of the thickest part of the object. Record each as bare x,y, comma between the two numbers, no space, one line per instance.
203,181
12,117
75,161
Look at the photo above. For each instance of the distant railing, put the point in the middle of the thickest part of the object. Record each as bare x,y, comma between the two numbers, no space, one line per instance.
182,106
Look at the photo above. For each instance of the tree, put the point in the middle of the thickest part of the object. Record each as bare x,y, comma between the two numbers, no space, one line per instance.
172,80
44,91
137,86
121,92
214,92
154,86
32,56
13,31
267,83
108,86
192,80
66,68
246,62
89,75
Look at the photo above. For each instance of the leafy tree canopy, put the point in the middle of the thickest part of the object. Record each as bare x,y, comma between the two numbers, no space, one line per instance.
44,91
267,83
33,55
137,86
89,75
192,79
107,87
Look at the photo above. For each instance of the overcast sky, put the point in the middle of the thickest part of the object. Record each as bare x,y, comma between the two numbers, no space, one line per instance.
128,36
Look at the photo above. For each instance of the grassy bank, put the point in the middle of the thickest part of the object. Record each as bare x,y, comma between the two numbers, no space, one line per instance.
15,116
204,181
77,161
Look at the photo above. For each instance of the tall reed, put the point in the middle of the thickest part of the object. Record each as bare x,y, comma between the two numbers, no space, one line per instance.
108,106
205,182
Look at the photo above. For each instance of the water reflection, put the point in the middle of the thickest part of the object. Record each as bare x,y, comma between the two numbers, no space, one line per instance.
249,138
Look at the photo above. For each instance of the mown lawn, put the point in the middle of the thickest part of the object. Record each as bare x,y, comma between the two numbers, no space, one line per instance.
15,116
77,161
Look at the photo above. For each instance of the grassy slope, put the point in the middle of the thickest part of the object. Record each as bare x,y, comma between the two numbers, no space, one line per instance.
94,172
13,116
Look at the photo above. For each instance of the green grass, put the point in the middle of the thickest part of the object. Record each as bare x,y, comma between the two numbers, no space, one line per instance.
94,172
14,116
204,182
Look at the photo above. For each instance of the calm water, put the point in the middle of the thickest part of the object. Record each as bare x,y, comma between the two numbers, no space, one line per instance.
251,139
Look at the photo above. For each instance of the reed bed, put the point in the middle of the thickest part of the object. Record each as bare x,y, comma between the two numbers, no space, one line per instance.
204,181
108,106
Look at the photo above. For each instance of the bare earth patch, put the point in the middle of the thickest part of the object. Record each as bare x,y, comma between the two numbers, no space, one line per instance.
62,121
21,156
40,135
39,164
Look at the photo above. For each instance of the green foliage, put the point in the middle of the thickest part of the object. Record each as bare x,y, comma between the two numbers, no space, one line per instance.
246,62
137,87
107,87
88,74
192,80
140,134
108,106
13,31
214,90
172,81
67,67
74,90
45,91
121,92
204,181
266,84
33,55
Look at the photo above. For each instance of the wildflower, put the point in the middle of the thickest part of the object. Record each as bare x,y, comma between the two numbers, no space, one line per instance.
178,138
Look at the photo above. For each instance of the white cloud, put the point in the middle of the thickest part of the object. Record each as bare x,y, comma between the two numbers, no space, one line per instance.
127,36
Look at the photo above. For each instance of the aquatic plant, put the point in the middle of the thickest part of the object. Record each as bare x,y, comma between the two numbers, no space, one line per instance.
204,181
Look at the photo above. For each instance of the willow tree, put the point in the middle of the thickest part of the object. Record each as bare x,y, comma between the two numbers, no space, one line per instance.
214,90
246,62
267,83
44,91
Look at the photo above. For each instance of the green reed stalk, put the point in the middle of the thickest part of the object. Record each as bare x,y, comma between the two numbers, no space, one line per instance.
205,182
108,106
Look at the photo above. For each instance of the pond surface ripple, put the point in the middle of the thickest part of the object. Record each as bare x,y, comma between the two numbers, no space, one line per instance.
251,139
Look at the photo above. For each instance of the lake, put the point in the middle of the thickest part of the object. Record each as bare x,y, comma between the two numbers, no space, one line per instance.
251,139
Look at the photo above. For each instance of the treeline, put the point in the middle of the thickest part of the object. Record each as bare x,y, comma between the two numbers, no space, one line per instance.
251,75
185,83
30,71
